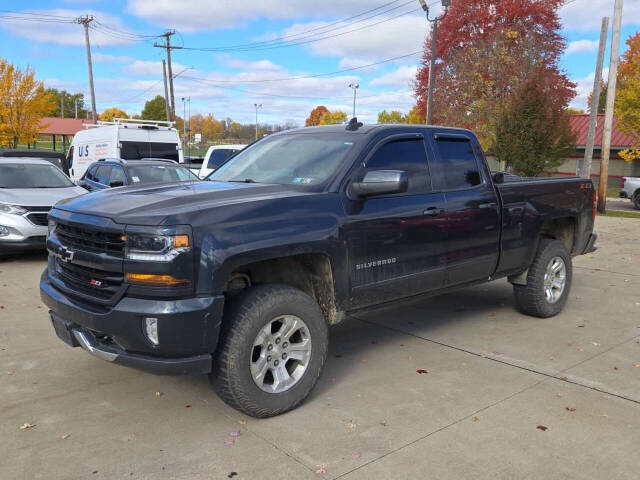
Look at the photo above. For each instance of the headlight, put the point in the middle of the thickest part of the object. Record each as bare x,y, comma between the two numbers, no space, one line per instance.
156,248
12,209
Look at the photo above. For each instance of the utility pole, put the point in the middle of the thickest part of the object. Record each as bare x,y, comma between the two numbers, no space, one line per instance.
434,40
608,112
85,21
62,104
169,47
584,165
166,92
355,87
257,105
75,104
184,123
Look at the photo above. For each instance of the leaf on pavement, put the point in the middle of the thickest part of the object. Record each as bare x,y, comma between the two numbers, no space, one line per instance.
421,371
159,394
595,344
25,426
542,427
65,436
229,443
321,471
355,455
235,433
474,419
570,409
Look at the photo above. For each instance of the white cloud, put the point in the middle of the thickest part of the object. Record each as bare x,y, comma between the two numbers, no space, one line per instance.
70,34
146,68
402,77
394,38
191,15
103,57
580,46
584,88
587,15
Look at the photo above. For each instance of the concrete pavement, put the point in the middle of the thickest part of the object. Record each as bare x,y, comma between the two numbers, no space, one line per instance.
493,377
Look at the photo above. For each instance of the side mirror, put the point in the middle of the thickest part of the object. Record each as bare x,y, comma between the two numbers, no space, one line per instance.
498,177
379,182
117,183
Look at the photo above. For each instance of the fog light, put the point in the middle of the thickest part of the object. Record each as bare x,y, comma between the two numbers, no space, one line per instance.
4,231
151,329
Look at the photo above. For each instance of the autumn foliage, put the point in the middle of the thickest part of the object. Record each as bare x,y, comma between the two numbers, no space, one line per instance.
486,51
321,115
23,103
627,105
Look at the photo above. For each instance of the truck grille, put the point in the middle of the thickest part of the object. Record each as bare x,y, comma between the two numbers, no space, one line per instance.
90,281
90,239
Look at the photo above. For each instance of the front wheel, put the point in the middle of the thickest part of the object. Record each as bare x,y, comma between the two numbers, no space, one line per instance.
548,281
272,351
636,201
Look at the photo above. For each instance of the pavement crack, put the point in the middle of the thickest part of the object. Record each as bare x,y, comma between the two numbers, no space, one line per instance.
607,271
555,376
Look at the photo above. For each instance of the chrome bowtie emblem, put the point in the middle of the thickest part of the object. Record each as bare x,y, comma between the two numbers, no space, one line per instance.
64,254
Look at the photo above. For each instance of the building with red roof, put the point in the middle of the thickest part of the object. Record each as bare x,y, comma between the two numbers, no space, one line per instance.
57,132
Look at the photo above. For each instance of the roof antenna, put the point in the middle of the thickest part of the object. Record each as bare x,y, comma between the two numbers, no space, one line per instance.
354,124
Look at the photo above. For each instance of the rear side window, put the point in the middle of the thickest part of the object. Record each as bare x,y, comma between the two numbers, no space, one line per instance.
91,173
405,154
218,157
139,150
458,163
102,174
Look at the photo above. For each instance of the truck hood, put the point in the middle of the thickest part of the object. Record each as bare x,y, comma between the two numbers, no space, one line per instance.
38,197
171,203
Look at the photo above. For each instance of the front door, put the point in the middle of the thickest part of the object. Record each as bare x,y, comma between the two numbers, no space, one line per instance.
396,242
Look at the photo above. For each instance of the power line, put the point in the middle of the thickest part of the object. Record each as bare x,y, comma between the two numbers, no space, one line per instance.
296,43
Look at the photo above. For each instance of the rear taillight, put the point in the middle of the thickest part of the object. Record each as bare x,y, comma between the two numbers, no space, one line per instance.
624,179
594,205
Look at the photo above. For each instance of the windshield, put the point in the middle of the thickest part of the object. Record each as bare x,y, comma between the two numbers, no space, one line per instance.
160,174
300,159
29,175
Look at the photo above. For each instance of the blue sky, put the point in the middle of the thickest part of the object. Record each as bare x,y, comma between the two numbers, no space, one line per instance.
127,69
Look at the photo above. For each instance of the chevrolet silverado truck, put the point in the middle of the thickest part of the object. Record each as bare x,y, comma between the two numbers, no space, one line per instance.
240,276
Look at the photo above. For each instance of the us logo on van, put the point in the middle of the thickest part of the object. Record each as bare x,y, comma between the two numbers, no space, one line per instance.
83,151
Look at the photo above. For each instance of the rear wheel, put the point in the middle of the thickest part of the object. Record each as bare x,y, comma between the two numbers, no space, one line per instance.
636,200
548,281
272,351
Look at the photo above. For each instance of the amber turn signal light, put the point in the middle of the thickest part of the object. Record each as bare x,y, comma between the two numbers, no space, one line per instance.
155,279
180,241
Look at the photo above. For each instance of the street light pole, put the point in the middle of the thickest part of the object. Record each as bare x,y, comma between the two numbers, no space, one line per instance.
355,87
184,123
257,105
434,40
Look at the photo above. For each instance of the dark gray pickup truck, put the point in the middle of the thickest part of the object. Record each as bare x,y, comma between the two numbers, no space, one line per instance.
240,276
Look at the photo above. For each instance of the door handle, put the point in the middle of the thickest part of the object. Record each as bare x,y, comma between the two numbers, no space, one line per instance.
488,205
433,211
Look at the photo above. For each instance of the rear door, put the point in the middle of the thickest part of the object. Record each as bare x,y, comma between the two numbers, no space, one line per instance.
472,221
396,242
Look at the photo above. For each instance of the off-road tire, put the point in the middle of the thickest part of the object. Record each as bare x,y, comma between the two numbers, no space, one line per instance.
247,314
530,298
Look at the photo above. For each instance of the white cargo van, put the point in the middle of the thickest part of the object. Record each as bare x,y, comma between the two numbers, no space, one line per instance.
123,138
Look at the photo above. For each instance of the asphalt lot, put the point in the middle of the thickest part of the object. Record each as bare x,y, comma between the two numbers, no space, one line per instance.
494,376
621,204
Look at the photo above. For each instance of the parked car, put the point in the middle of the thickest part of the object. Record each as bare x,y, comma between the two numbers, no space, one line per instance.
240,277
115,172
56,158
126,139
29,187
631,190
216,156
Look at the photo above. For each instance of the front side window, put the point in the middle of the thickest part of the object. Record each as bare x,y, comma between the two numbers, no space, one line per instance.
407,155
458,163
140,150
117,175
299,159
28,175
102,174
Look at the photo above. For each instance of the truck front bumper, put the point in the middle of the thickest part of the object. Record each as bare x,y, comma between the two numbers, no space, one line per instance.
188,330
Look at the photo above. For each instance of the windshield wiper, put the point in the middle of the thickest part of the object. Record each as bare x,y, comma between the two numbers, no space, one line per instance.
246,180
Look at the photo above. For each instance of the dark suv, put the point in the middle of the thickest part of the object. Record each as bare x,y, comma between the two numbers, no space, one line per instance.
110,173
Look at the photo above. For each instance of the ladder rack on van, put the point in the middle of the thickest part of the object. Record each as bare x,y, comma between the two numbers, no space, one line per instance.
132,122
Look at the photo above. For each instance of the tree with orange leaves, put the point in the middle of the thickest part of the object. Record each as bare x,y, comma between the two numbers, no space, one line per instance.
315,116
23,103
486,50
627,105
